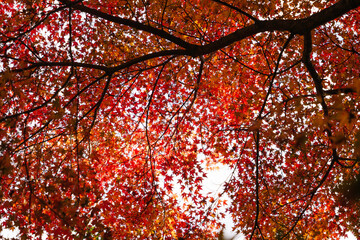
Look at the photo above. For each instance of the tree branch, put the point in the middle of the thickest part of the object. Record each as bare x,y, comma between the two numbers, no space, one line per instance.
298,26
237,9
130,23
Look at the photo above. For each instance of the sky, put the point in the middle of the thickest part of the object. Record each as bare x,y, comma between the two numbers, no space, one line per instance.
213,183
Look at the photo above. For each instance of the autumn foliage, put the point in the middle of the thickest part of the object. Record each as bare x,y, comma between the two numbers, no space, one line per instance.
112,112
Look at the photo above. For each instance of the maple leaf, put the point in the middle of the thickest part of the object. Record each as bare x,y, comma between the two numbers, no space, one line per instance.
111,112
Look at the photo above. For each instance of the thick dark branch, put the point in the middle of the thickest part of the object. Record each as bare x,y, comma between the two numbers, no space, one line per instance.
337,10
339,90
350,159
130,23
313,73
305,25
299,26
318,85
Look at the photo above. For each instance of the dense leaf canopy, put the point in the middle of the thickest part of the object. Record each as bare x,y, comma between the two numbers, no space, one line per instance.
112,112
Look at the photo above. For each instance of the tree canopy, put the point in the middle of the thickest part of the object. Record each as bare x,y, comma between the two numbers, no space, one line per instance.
108,107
